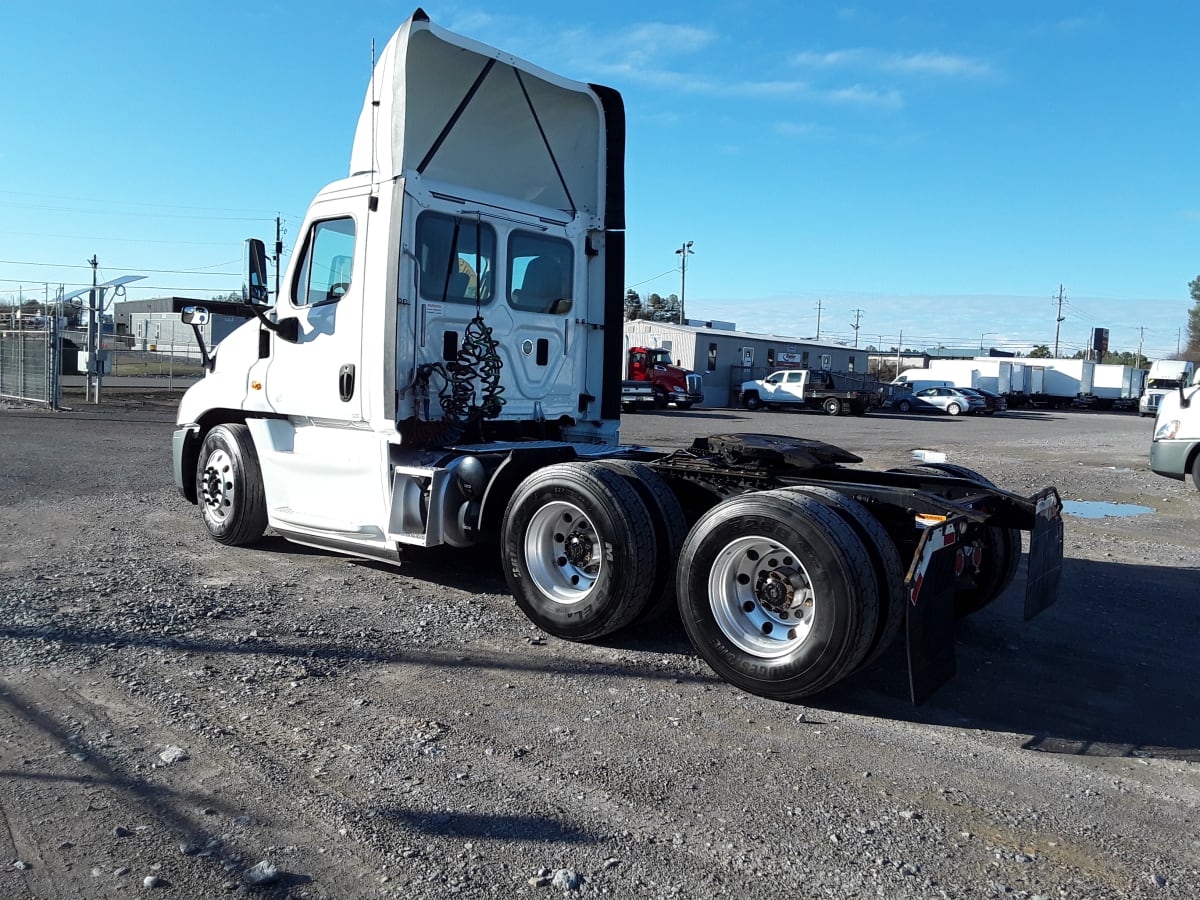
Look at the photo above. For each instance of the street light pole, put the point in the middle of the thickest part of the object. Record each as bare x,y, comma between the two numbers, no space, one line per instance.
684,252
981,337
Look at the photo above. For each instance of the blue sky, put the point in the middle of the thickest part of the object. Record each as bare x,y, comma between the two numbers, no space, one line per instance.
942,167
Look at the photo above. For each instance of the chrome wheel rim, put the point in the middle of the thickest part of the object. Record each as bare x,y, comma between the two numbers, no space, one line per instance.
761,597
217,492
563,552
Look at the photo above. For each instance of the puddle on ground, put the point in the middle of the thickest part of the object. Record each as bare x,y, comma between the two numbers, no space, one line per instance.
1101,509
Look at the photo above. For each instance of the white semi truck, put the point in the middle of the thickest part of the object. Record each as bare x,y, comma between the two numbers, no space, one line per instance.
441,367
1175,447
1165,376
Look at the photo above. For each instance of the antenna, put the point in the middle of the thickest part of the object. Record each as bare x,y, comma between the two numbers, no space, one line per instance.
374,127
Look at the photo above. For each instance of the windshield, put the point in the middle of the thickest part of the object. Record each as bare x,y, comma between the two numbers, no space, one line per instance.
1163,383
660,357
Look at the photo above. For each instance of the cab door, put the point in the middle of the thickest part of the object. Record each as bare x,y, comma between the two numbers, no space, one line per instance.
323,467
317,375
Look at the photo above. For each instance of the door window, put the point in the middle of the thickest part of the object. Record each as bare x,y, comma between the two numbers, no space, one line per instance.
456,257
324,273
539,273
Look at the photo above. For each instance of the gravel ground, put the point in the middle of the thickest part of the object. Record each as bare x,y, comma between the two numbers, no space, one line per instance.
183,718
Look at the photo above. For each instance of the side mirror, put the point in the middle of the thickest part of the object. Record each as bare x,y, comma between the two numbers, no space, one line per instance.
254,288
194,315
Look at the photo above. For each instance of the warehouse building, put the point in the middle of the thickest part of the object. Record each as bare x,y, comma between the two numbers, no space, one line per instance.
725,357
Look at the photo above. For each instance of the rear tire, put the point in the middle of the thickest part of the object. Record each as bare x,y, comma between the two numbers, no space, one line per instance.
229,488
953,409
833,406
668,525
889,568
904,406
571,551
777,594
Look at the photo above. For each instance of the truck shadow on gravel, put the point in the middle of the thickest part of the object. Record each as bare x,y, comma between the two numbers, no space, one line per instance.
1107,671
202,836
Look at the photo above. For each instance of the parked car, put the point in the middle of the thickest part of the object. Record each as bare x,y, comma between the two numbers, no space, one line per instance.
951,401
993,402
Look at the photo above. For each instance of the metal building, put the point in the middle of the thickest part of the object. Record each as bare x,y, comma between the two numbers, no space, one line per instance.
153,325
725,357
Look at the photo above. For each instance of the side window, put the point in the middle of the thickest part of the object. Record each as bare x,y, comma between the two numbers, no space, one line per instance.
456,258
324,273
712,357
850,368
804,360
794,377
539,273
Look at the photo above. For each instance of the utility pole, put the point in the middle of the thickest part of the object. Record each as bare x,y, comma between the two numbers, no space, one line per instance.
92,337
818,337
899,350
1141,338
684,252
1058,321
857,316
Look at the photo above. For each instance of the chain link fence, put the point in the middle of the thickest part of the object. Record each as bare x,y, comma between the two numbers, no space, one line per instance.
29,360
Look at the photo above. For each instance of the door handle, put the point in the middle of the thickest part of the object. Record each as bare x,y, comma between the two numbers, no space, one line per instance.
346,382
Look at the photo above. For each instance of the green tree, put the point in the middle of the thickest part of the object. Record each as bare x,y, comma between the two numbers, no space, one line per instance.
1041,351
1193,328
231,297
662,309
633,306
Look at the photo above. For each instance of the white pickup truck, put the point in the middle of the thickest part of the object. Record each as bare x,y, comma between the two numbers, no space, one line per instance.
813,388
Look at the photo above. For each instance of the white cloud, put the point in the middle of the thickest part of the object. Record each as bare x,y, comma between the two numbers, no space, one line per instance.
923,63
864,96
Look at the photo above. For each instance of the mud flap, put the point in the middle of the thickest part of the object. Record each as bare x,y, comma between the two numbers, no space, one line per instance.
930,618
1045,553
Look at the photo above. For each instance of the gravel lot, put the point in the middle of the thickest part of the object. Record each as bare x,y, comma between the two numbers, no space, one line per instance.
186,719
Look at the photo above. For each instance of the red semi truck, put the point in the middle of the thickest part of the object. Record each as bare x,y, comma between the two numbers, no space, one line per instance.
671,383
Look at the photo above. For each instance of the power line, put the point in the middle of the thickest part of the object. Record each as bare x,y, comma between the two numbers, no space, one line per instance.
198,270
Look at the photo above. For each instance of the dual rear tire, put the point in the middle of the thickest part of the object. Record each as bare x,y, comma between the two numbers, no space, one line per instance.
783,593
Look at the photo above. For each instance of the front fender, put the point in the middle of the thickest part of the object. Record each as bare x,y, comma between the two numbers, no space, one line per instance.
185,452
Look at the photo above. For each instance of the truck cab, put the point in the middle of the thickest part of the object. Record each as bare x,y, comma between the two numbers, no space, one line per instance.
1165,375
671,383
1175,447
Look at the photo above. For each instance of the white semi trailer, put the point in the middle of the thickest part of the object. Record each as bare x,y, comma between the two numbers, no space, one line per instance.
441,367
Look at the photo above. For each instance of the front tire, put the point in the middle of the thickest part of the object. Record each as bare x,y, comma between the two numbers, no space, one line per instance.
752,401
777,594
229,488
577,548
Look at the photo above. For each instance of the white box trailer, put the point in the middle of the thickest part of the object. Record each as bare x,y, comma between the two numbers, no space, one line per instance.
985,373
1115,386
1063,381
